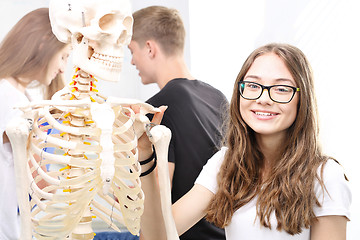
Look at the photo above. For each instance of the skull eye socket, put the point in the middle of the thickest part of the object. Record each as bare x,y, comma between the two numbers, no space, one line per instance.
79,37
107,21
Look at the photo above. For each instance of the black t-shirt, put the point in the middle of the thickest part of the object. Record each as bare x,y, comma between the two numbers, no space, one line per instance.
195,117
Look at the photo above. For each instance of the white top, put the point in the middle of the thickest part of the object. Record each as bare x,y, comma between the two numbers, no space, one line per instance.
244,225
9,218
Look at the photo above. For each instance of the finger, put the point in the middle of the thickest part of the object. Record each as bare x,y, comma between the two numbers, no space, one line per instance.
158,116
135,108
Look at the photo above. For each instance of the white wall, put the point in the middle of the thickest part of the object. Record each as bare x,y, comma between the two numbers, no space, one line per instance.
328,32
13,10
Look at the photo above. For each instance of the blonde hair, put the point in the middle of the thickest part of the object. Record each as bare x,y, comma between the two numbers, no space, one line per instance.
28,48
161,24
289,190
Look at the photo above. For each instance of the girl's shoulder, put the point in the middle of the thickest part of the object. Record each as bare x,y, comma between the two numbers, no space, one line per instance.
10,98
208,174
335,197
332,170
7,89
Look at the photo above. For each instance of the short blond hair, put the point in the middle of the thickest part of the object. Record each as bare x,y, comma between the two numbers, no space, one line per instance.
161,24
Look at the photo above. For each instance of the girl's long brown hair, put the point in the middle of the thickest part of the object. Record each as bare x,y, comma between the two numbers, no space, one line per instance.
289,190
28,48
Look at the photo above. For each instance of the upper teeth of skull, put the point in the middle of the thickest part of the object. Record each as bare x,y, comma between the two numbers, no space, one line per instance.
106,57
110,61
264,114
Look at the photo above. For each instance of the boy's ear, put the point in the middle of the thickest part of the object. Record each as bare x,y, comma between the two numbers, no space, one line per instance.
151,48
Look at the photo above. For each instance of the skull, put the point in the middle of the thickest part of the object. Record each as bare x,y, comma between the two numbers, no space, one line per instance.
98,31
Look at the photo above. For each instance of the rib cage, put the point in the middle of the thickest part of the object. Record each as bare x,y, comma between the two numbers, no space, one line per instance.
84,161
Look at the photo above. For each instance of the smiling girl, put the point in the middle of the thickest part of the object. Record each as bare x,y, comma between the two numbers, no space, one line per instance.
271,180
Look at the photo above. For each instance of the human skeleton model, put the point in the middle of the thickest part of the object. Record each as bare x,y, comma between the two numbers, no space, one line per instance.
88,140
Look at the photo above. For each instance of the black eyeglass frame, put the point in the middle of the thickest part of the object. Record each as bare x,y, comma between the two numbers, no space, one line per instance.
268,90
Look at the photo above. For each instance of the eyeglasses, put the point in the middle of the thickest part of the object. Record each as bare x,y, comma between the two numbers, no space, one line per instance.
277,93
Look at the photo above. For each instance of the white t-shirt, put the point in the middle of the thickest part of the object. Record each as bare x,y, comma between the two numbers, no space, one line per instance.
9,218
245,225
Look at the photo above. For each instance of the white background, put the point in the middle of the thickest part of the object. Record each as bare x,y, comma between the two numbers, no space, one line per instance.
221,34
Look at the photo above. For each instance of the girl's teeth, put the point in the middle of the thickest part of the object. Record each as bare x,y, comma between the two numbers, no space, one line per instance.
264,114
